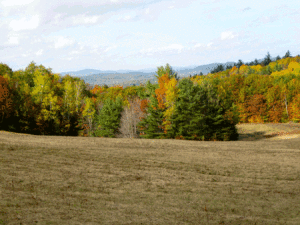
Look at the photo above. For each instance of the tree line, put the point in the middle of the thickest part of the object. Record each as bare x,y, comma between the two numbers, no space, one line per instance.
37,101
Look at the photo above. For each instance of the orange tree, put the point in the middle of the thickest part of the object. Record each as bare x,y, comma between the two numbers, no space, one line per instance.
152,125
5,100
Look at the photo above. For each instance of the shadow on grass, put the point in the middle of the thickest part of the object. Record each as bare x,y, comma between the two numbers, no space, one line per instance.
258,135
254,136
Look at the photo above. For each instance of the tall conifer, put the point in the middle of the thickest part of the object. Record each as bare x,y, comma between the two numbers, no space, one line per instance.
108,120
199,116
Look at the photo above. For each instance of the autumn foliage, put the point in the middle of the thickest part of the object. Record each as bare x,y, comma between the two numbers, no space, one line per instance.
36,100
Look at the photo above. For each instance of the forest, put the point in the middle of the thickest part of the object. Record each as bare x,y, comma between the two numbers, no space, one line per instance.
200,107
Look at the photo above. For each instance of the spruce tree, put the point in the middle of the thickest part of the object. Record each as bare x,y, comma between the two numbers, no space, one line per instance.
267,59
287,54
199,116
151,125
217,69
239,64
108,120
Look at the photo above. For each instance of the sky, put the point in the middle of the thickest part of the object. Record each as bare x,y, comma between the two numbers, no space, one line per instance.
71,35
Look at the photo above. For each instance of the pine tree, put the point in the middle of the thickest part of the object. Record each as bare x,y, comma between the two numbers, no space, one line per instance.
267,59
287,54
151,126
199,116
239,64
108,120
217,69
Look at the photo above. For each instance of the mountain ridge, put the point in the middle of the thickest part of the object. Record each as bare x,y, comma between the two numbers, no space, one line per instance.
138,77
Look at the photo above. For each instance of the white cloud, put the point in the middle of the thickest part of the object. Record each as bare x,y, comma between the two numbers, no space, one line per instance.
25,23
209,44
9,3
172,47
61,42
13,40
176,47
83,19
110,48
39,52
227,35
200,45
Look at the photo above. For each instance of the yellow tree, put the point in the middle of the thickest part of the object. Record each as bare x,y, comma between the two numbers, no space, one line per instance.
69,97
161,91
294,109
171,94
88,115
275,104
44,94
234,70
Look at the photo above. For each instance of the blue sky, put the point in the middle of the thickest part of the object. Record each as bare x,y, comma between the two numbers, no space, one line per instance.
70,35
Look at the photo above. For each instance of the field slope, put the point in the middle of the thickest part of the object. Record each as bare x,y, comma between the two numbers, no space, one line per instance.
85,180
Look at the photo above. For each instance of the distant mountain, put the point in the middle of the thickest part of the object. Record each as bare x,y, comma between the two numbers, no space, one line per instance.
86,72
137,77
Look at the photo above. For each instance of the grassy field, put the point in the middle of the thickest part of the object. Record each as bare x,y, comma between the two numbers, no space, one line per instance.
86,180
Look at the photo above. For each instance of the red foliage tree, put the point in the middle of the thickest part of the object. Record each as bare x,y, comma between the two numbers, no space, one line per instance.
5,99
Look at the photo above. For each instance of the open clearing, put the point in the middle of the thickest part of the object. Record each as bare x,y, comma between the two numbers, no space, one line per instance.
86,180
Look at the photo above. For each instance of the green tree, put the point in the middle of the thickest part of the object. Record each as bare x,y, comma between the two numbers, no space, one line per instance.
199,116
108,120
287,54
239,64
152,125
166,70
217,69
267,59
5,70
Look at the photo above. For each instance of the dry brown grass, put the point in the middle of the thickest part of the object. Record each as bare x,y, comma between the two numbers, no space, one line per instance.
85,180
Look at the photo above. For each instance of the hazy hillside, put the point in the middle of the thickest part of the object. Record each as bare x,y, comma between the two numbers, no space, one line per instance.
134,77
128,78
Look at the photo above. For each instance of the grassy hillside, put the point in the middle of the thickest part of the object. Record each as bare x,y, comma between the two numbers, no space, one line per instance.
87,180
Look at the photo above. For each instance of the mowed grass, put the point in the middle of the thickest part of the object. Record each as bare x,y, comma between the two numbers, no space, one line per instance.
85,180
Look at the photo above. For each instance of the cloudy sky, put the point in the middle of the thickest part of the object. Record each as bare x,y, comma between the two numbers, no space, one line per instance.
70,35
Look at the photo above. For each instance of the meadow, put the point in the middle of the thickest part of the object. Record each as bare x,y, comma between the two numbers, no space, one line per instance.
89,180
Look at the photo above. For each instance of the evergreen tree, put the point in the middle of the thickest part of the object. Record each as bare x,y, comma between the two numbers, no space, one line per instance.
228,67
217,69
108,120
287,54
199,116
267,59
239,64
151,125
